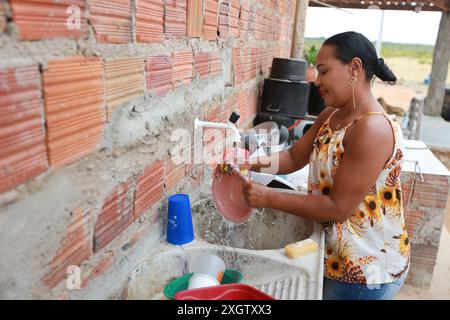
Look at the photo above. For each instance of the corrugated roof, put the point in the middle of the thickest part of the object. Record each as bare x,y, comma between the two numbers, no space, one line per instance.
437,5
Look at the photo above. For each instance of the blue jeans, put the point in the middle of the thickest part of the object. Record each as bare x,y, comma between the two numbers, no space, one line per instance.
337,290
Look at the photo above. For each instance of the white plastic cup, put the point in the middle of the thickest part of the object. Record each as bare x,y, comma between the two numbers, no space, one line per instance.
211,265
199,280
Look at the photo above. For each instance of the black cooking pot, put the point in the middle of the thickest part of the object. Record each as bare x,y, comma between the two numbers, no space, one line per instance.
288,69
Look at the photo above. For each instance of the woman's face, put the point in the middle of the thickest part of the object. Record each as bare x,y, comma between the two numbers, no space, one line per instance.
332,78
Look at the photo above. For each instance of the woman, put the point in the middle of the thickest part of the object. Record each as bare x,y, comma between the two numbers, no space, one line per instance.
354,151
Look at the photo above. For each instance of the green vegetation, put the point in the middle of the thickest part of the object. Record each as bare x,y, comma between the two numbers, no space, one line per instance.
424,53
310,55
410,62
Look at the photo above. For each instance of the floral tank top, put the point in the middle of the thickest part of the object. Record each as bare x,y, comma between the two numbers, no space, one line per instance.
372,245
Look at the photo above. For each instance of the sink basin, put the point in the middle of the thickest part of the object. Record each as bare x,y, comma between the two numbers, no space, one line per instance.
266,228
255,248
268,270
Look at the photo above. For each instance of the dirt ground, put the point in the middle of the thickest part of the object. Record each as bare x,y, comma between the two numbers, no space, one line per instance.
409,70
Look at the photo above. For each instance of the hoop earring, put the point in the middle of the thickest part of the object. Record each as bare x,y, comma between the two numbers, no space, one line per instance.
353,94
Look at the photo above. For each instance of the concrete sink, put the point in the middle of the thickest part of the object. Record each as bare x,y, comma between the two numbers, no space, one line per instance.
255,248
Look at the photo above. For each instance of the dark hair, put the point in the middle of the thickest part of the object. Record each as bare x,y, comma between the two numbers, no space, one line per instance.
349,45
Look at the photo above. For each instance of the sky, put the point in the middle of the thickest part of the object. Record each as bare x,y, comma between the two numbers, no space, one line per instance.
398,26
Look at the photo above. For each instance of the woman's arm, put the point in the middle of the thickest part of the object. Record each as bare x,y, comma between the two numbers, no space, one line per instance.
296,157
368,146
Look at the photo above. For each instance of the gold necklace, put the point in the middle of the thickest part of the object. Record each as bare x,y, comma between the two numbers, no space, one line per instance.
339,125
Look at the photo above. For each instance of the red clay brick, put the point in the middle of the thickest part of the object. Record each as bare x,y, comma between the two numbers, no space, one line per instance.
243,19
111,20
242,106
124,79
234,18
212,114
115,217
173,174
159,74
149,20
259,25
251,20
224,19
238,66
2,17
266,62
436,180
196,155
231,104
183,67
247,102
201,64
138,235
45,19
211,19
195,18
196,175
439,190
175,18
75,247
215,64
104,264
223,114
150,188
23,153
75,110
249,64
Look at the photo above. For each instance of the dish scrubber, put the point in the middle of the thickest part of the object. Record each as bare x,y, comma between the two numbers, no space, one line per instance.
300,248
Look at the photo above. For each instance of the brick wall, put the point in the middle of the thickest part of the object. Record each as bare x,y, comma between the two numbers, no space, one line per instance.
424,207
90,92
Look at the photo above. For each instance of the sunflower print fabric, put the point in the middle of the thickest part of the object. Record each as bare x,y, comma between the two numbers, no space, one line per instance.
372,246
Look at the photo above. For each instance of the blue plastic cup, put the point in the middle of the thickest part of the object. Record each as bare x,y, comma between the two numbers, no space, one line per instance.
179,220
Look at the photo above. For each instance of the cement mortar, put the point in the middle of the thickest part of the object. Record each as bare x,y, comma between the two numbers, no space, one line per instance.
35,215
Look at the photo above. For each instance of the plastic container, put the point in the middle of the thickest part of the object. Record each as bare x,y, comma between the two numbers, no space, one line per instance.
267,133
181,283
224,292
228,197
199,280
179,221
211,265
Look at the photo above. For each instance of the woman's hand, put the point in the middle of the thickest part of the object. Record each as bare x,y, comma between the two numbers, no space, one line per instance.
256,195
229,168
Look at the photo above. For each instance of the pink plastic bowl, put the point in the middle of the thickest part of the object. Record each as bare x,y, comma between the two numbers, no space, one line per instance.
227,193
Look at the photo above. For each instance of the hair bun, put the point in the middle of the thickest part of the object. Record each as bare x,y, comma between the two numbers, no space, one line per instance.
382,71
379,64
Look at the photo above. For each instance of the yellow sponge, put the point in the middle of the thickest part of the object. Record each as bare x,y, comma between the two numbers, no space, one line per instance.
300,248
